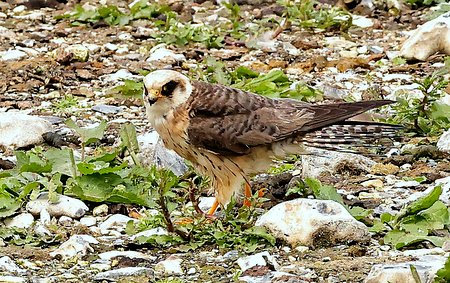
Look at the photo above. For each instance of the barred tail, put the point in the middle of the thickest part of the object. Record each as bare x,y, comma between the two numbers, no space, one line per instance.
353,136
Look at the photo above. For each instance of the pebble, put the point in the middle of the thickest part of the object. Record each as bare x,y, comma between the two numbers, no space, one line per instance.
443,143
163,55
12,279
129,254
65,205
76,245
126,272
100,210
149,233
9,266
12,54
65,220
258,259
23,220
170,266
116,222
106,109
88,221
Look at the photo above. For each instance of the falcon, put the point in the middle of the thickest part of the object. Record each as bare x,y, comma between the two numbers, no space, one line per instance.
229,134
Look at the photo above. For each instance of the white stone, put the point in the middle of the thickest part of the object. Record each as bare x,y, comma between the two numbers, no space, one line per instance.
431,37
100,266
191,271
126,272
149,233
77,245
401,272
12,279
100,210
396,77
443,143
406,184
325,161
118,76
65,205
339,42
88,221
41,230
170,266
160,54
19,130
129,254
12,54
374,183
361,21
9,266
111,46
44,217
116,222
23,220
65,220
313,222
259,259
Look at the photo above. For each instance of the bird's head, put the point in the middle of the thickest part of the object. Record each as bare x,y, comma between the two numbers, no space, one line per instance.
164,90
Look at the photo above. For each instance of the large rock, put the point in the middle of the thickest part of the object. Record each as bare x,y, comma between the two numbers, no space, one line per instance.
313,222
401,272
153,152
20,130
65,205
325,161
431,37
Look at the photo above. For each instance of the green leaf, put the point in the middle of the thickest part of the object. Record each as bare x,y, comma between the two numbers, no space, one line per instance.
420,204
443,274
359,213
323,191
129,141
88,135
400,239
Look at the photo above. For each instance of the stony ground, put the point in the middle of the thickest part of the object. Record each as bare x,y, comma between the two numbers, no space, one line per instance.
42,78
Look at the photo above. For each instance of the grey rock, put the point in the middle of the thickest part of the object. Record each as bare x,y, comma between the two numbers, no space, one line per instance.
313,222
23,220
274,276
324,161
65,205
65,220
20,130
106,109
154,152
401,272
113,275
9,266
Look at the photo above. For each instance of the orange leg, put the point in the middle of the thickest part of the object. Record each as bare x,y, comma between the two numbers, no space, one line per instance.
213,209
248,195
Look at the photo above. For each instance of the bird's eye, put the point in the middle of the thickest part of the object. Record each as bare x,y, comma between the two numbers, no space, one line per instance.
168,88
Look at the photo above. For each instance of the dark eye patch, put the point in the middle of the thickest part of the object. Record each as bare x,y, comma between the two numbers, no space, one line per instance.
168,88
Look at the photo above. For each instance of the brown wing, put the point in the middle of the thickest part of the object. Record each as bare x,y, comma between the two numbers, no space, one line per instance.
231,121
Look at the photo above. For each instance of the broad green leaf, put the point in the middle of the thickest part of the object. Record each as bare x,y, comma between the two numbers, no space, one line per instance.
443,274
88,135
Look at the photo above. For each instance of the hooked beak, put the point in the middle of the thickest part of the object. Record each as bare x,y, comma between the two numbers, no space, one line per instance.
152,95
